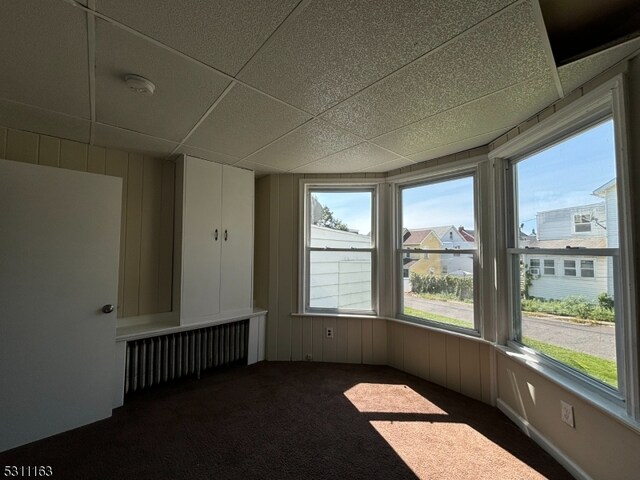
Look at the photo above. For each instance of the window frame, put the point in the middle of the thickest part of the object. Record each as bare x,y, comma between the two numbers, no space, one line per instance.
606,100
398,251
307,188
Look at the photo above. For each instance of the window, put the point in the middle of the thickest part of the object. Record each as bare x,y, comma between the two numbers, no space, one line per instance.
587,268
582,223
549,267
339,249
433,217
570,268
579,173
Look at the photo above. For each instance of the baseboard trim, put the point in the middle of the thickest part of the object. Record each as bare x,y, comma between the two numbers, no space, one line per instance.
541,440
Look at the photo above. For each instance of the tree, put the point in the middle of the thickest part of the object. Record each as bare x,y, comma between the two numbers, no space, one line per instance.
328,220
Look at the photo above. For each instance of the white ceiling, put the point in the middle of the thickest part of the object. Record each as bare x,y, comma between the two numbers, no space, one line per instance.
308,86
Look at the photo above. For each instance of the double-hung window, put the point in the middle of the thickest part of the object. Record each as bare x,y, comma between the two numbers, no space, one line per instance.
339,249
437,229
575,316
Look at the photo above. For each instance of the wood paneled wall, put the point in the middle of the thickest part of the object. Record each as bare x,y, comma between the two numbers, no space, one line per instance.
146,245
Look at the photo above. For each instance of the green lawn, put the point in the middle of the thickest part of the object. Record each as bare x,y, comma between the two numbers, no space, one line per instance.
596,367
437,318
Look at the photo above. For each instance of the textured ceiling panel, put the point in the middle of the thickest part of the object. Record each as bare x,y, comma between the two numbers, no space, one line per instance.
206,154
334,49
107,136
577,73
312,141
43,56
459,146
24,117
496,111
352,159
184,89
244,121
259,169
505,50
222,33
387,167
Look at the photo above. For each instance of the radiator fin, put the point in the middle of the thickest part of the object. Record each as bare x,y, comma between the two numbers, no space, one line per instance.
156,360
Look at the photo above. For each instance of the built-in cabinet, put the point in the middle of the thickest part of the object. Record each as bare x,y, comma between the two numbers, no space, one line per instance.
214,240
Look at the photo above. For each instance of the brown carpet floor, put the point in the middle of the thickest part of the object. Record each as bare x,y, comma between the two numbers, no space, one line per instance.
295,421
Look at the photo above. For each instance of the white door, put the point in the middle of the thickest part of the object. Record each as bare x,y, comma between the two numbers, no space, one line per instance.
237,247
59,242
201,239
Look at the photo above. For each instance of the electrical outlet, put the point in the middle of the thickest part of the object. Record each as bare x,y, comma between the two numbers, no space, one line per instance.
309,357
566,414
329,332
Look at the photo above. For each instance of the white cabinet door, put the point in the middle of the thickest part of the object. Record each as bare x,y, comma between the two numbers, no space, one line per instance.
237,248
59,242
201,239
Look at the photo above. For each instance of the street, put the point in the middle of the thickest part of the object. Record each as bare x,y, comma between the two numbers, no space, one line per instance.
597,339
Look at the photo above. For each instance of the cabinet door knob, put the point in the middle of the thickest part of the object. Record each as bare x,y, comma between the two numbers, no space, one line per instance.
225,235
107,308
215,235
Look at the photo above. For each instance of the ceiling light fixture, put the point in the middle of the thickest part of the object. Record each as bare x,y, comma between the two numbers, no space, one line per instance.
139,84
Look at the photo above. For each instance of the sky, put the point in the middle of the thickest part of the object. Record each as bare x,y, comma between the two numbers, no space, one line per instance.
563,175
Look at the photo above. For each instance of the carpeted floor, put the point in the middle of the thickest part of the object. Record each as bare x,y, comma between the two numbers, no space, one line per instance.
295,421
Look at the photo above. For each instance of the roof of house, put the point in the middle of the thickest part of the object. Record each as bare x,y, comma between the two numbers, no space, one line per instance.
417,235
584,242
467,235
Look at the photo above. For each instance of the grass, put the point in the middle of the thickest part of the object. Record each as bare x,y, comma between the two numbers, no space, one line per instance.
412,312
596,367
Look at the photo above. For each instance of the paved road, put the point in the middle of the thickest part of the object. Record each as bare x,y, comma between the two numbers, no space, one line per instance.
598,340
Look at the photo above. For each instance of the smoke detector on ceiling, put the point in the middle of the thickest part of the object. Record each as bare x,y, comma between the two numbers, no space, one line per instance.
139,84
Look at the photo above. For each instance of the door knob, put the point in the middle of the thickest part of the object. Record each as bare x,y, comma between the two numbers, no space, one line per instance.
107,308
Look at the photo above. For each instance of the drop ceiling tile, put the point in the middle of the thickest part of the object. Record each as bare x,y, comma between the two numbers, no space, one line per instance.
505,50
43,53
458,146
184,89
352,159
496,111
581,71
259,169
312,141
334,49
25,117
206,154
109,136
222,33
389,166
244,121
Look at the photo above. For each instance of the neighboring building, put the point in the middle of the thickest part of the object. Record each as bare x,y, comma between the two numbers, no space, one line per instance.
583,226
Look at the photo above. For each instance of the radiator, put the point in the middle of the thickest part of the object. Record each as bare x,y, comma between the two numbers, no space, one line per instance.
156,360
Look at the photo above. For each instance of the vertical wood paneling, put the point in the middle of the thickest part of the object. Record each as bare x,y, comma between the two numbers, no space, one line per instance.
285,267
341,340
96,160
73,155
296,324
134,234
395,344
367,340
49,151
3,142
273,319
150,232
470,379
117,165
22,146
262,227
437,358
379,342
453,362
317,339
485,372
328,344
354,340
415,351
307,338
165,261
296,339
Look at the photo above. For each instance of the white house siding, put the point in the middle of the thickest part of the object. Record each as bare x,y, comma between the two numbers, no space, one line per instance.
611,200
560,286
558,224
340,279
